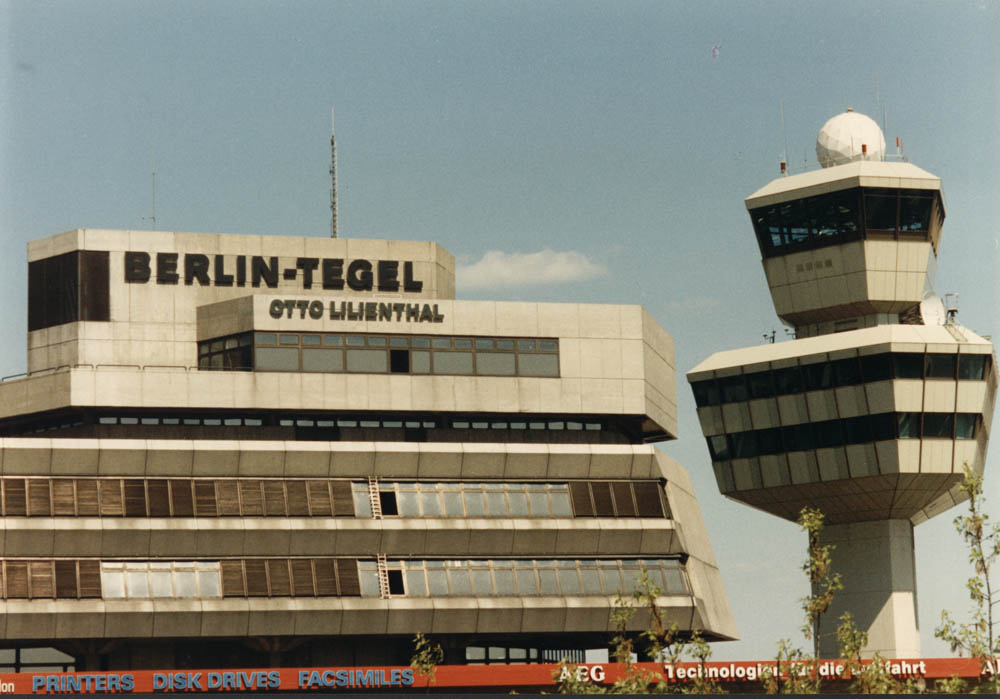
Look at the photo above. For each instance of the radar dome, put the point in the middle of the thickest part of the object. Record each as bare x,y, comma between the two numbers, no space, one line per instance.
848,137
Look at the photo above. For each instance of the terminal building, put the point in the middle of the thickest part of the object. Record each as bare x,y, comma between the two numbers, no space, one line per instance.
247,451
872,413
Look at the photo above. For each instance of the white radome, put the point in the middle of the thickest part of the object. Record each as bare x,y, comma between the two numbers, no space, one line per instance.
841,138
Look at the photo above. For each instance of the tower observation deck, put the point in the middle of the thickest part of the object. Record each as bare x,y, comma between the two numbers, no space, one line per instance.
874,410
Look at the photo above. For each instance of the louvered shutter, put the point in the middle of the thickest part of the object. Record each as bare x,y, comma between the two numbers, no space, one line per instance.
647,499
274,498
40,573
135,497
319,498
277,573
298,504
252,500
180,497
623,498
256,578
302,577
87,504
90,579
66,579
603,506
63,497
111,498
39,498
580,492
227,497
16,577
232,579
347,574
158,493
343,500
204,495
14,498
326,577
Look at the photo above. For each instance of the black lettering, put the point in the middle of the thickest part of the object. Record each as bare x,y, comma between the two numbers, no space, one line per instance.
438,317
166,268
412,312
388,275
409,283
196,267
308,265
290,306
260,269
334,313
302,306
276,308
426,315
370,309
359,275
333,273
221,278
136,267
316,309
385,311
289,274
241,270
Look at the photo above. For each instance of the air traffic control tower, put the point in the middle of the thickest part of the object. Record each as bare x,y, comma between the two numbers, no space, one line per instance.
872,412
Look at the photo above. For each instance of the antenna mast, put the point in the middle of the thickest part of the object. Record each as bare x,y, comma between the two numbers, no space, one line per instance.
333,180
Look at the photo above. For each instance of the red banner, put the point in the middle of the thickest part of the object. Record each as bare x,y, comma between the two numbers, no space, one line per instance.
354,679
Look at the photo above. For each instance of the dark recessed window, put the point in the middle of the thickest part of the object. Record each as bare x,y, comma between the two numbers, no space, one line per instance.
396,582
941,425
876,367
972,367
941,366
387,500
908,366
399,361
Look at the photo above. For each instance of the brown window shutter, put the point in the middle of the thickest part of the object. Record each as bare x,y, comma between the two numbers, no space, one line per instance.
623,498
135,497
302,577
40,573
603,506
252,500
274,498
227,497
39,498
298,504
256,577
326,577
347,574
647,499
180,497
16,577
158,493
277,573
63,497
580,492
87,504
232,579
204,497
90,579
343,500
111,498
319,498
14,498
66,579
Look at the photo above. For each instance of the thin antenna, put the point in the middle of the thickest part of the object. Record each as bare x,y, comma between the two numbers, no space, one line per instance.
784,139
333,180
153,217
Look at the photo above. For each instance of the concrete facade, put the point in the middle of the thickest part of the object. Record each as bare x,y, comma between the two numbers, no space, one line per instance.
292,451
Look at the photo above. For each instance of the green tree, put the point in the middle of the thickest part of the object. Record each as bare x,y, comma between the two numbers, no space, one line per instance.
978,639
427,655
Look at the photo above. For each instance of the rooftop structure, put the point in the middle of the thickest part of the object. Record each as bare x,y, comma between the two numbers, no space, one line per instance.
872,413
246,451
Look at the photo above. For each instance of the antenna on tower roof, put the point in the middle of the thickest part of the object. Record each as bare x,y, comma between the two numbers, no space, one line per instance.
333,180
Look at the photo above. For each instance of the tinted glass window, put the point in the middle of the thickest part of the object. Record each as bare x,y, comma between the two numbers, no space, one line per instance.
829,433
769,441
908,425
876,367
938,425
857,430
880,212
759,385
940,366
705,393
538,365
733,388
277,359
847,371
908,366
965,425
972,366
744,445
883,426
818,376
915,212
787,381
798,437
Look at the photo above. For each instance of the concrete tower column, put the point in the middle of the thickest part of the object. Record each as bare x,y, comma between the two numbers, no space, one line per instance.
876,564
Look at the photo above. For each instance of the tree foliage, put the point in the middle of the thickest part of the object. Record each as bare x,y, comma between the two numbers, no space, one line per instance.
427,655
979,638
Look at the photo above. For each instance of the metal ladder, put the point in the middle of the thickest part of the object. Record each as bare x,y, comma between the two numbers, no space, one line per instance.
373,498
383,576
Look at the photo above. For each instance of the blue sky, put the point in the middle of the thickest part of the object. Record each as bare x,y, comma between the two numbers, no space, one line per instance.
604,132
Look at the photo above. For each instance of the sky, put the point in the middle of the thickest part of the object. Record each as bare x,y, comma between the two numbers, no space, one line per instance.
607,146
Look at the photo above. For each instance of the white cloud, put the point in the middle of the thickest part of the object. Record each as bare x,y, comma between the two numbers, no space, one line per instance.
498,269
